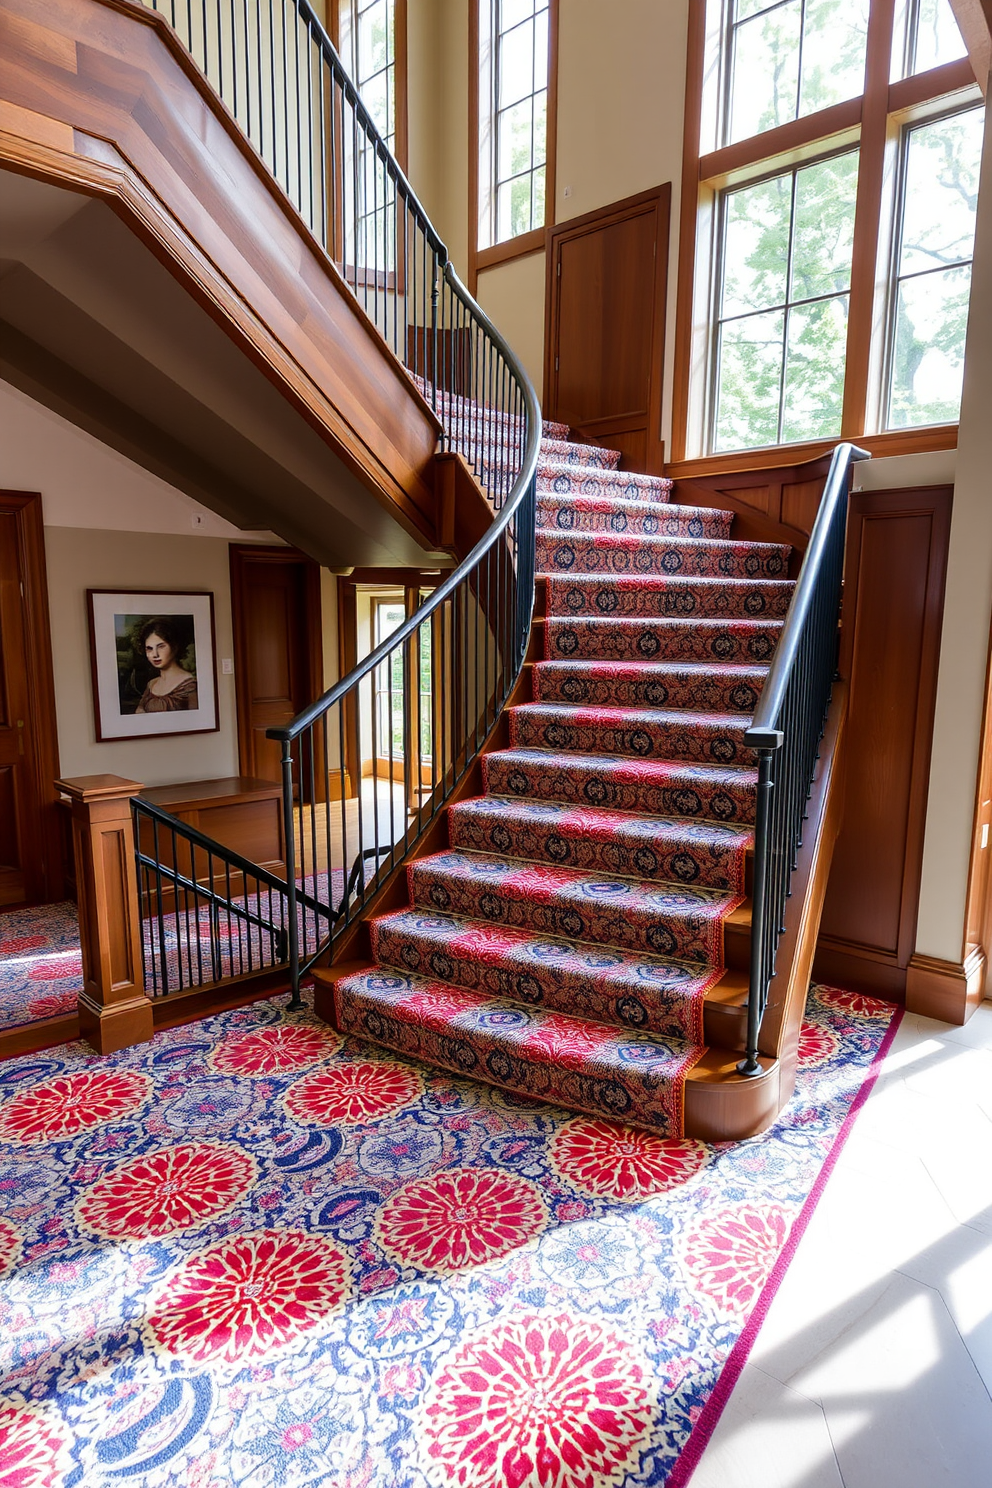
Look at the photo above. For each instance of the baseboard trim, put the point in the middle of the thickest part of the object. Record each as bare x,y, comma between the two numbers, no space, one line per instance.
948,990
838,963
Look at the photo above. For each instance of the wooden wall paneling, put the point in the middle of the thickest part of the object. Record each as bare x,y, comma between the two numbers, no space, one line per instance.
800,502
771,502
897,555
978,915
607,277
128,117
31,833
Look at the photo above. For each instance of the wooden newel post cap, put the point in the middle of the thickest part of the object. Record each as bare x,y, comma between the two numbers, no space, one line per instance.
87,788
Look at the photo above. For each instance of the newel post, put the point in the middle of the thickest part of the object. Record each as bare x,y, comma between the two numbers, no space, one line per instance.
114,1012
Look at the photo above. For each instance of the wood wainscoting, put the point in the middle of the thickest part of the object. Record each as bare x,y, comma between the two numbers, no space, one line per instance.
893,606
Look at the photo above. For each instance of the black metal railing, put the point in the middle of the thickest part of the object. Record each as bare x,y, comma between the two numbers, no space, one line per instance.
274,66
370,765
207,913
210,915
787,729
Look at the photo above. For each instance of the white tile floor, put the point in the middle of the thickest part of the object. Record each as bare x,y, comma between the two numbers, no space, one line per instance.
874,1366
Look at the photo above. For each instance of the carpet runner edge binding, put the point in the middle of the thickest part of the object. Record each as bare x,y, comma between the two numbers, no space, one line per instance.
564,944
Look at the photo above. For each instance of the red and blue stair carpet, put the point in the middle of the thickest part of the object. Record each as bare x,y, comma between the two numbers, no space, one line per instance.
564,944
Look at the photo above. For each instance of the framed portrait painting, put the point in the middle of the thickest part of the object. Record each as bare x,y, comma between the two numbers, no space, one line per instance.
154,669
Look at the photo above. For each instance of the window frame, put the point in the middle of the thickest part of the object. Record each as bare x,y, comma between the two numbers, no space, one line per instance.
906,129
874,122
524,243
400,79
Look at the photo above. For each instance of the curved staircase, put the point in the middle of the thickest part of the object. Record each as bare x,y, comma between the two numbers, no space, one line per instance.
583,937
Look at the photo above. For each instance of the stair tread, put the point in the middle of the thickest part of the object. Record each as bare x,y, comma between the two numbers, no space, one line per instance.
575,1062
622,539
601,821
636,715
635,990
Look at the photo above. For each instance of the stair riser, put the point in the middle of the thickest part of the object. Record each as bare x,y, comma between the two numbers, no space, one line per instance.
664,999
582,514
742,642
709,692
578,480
606,553
572,782
699,741
648,1094
668,599
661,852
683,924
560,452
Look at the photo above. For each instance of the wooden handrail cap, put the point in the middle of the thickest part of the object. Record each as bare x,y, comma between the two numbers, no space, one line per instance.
98,787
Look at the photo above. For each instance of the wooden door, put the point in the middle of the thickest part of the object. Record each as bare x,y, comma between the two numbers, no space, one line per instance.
30,834
275,605
605,336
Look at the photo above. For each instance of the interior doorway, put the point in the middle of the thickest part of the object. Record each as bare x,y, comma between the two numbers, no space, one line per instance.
278,653
31,861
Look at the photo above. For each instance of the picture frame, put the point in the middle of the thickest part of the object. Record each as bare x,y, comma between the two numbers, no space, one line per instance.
154,663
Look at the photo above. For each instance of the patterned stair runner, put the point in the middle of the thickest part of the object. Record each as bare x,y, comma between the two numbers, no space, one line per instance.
564,944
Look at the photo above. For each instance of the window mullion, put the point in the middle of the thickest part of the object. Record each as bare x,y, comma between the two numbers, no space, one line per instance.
788,301
871,171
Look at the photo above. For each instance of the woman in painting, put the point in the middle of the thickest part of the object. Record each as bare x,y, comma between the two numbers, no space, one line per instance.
161,643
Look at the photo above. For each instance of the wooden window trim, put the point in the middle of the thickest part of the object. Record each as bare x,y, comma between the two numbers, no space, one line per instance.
526,243
869,118
931,437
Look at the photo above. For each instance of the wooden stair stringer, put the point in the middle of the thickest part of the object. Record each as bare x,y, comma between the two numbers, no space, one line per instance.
720,1104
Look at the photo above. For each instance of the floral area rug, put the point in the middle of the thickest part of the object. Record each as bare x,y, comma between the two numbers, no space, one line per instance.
40,967
253,1253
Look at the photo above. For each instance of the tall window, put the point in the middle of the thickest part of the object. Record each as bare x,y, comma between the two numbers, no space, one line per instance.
367,38
371,38
791,58
514,72
940,163
838,179
785,287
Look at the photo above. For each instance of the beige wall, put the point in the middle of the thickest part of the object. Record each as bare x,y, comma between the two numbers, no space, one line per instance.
109,524
965,636
88,558
513,298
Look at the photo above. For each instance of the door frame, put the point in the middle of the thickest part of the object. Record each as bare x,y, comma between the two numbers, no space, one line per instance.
241,556
659,199
45,882
411,581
